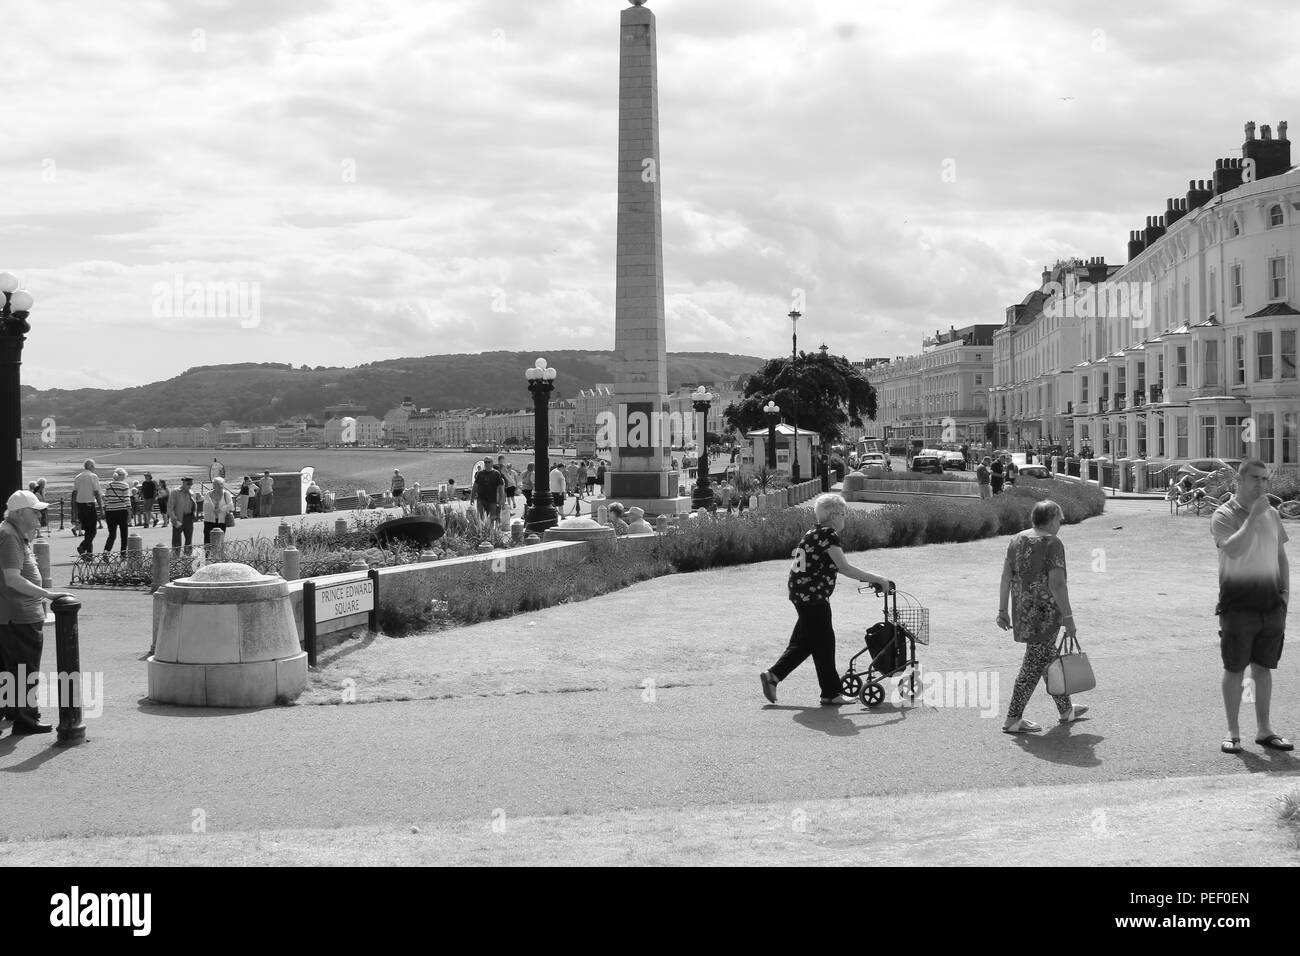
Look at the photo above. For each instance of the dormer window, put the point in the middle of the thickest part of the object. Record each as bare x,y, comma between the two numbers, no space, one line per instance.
1274,217
1236,228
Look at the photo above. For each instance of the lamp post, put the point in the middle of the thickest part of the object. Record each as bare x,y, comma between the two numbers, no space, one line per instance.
773,411
701,400
13,332
794,382
541,382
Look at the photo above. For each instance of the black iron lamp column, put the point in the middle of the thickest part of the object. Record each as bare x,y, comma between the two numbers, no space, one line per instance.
541,382
773,412
794,405
701,400
13,332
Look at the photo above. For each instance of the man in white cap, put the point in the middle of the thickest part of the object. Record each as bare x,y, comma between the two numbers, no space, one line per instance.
22,614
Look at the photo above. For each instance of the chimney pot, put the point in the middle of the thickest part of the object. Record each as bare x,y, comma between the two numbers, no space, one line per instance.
1265,132
1250,130
1281,130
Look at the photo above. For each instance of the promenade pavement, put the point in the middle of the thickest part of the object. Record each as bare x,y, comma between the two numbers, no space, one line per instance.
637,717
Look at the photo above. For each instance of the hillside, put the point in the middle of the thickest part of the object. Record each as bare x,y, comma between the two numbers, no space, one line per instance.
271,392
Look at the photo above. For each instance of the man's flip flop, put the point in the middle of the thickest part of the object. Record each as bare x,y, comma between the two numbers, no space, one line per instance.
1231,745
1275,742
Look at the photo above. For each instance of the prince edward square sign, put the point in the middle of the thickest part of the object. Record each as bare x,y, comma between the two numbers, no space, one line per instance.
344,600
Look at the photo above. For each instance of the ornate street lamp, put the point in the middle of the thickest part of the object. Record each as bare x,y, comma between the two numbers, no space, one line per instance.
701,400
13,332
794,407
773,412
542,515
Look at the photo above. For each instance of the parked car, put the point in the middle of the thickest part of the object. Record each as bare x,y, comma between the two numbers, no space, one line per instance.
1035,471
877,459
953,460
927,461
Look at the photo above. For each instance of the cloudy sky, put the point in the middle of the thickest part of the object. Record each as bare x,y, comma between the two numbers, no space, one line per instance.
377,178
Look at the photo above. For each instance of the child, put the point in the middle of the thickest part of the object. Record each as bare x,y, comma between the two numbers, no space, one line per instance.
811,583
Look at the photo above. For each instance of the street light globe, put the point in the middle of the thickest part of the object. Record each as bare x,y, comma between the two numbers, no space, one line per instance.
8,282
532,374
21,301
772,408
548,374
540,363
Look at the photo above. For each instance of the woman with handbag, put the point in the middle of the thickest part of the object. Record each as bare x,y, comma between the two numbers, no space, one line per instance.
1033,575
218,508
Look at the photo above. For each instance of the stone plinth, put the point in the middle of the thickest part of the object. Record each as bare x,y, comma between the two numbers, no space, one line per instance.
226,637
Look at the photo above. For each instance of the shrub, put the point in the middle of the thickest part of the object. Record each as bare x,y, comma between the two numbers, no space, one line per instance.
1286,487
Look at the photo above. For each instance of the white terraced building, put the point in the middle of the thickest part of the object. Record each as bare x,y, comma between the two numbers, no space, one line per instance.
1206,367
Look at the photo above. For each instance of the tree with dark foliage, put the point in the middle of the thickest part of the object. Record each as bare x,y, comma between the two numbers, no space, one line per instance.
829,391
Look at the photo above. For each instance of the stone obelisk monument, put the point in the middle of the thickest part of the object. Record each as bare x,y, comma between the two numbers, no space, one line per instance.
642,472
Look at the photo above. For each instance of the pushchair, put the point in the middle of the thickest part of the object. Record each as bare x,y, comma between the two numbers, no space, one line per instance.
891,644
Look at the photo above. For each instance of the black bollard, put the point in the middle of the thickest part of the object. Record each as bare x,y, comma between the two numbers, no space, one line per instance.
67,643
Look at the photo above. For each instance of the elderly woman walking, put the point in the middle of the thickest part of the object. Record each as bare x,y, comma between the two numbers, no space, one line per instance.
217,505
1033,576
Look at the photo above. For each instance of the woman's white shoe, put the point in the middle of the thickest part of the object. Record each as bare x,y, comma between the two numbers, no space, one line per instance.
1021,726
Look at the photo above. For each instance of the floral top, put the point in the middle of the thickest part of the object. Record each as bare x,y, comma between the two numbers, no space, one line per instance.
812,575
1030,558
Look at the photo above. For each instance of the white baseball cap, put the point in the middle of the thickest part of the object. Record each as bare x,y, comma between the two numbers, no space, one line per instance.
25,499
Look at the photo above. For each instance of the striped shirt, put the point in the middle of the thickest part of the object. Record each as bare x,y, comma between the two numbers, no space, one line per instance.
117,495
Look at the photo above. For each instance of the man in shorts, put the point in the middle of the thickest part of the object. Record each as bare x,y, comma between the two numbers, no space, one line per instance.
1254,584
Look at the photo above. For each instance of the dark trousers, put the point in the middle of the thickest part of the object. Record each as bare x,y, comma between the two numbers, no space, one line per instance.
186,528
813,635
20,648
207,531
88,518
528,497
116,519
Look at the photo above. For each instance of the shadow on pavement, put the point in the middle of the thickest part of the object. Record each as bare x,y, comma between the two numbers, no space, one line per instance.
147,706
47,752
1270,761
833,720
1059,745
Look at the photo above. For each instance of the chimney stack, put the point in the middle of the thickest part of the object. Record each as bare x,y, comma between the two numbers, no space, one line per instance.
1227,175
1154,230
1198,194
1271,156
1172,212
1135,245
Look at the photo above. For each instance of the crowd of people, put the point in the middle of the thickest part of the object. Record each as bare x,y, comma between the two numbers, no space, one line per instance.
995,473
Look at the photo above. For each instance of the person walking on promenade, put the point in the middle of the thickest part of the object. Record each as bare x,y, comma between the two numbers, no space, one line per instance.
267,497
512,485
982,479
817,560
1254,590
86,500
580,488
216,470
217,503
181,509
241,502
1011,471
487,487
148,497
526,485
164,496
1033,577
996,475
558,487
600,479
398,487
117,509
22,616
38,489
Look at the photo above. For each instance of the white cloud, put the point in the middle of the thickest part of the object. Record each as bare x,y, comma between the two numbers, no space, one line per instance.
406,177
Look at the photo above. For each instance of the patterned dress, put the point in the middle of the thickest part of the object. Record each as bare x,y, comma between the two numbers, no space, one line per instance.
1031,558
1034,612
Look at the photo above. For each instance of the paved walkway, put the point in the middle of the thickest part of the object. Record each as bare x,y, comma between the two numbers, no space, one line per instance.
592,745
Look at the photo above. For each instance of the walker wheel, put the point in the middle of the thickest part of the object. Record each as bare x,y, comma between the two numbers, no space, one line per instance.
872,694
851,685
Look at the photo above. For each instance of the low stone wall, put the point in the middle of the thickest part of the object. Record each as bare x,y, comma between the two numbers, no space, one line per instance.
546,555
885,490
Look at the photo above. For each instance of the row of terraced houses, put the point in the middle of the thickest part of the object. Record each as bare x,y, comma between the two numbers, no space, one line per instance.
1188,349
